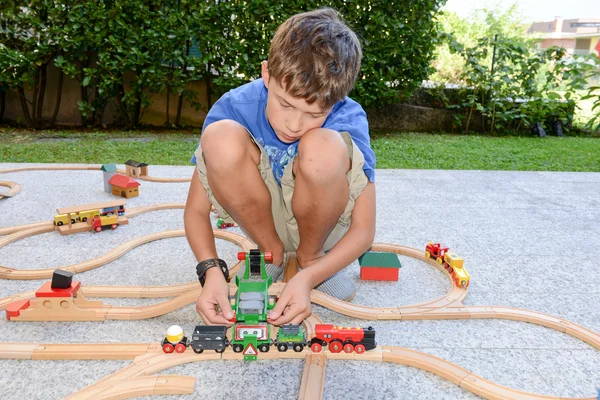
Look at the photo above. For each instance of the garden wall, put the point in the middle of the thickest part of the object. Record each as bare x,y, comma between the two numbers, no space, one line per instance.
69,115
397,117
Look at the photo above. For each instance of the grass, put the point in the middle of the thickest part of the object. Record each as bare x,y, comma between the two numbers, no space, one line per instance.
401,150
443,151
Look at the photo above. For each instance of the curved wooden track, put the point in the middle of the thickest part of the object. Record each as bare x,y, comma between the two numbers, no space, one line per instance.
157,179
13,188
11,273
52,168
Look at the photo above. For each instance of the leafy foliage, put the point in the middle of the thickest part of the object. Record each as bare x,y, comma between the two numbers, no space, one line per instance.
123,52
521,86
459,32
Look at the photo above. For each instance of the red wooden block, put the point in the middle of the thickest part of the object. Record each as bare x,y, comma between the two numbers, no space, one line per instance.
378,274
47,291
14,308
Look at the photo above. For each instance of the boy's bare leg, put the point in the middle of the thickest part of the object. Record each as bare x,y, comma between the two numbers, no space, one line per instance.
231,167
321,190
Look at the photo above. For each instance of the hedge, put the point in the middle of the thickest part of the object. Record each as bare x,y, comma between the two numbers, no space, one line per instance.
168,43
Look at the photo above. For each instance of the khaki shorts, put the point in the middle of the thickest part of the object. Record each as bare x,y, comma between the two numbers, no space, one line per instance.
281,197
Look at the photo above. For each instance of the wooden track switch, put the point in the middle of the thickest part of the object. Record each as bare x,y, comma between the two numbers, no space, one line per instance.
57,305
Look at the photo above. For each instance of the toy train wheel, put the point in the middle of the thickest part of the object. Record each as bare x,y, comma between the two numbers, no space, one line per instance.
427,254
72,220
168,348
238,348
197,351
59,223
298,347
179,348
282,347
316,347
359,348
84,219
264,348
114,226
336,346
220,350
98,229
348,348
439,260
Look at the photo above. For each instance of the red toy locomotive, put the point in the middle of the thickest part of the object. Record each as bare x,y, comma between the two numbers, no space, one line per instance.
339,338
435,251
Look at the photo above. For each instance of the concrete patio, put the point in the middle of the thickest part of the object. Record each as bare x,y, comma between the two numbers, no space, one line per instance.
529,240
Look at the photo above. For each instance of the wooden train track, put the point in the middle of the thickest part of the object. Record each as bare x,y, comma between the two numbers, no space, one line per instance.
148,358
13,188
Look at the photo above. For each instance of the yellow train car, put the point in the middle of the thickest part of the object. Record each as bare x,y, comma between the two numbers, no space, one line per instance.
455,265
63,219
85,215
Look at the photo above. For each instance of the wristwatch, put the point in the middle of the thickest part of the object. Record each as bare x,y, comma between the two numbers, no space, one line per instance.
205,265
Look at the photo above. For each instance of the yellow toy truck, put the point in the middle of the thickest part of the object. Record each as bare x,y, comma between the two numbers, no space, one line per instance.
454,264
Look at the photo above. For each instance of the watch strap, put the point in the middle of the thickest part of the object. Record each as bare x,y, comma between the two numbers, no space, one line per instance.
205,265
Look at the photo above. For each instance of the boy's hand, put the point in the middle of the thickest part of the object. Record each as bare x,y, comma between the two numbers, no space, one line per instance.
293,305
213,303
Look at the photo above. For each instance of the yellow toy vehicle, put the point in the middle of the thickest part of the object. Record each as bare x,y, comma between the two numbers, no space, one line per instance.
454,264
85,215
62,219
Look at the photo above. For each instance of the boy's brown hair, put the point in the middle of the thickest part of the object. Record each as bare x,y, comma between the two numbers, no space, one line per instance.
315,56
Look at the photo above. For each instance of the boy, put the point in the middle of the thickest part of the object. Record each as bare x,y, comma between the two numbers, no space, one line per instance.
287,157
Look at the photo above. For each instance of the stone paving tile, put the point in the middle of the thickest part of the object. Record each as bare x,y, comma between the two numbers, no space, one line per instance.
388,381
564,188
570,373
578,308
506,367
25,379
529,242
587,177
417,174
501,176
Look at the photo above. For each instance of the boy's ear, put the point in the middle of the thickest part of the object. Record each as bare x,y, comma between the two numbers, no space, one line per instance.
264,69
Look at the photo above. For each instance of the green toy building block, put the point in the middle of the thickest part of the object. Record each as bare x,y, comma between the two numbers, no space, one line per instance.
380,260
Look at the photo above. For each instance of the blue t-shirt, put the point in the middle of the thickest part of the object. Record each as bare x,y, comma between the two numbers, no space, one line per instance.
247,105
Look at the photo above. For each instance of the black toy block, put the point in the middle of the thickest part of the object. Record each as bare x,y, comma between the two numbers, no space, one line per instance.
61,279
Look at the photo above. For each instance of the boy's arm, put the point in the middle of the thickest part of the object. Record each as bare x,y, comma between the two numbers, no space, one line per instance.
196,219
213,302
353,244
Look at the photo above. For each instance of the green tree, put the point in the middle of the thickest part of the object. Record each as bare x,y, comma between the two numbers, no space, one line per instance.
462,32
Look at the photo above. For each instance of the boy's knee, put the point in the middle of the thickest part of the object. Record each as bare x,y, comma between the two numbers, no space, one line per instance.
225,143
322,155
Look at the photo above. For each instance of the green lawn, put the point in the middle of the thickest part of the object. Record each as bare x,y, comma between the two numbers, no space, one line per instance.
401,150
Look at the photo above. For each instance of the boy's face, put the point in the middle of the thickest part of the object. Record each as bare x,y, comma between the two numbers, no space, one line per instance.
290,117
